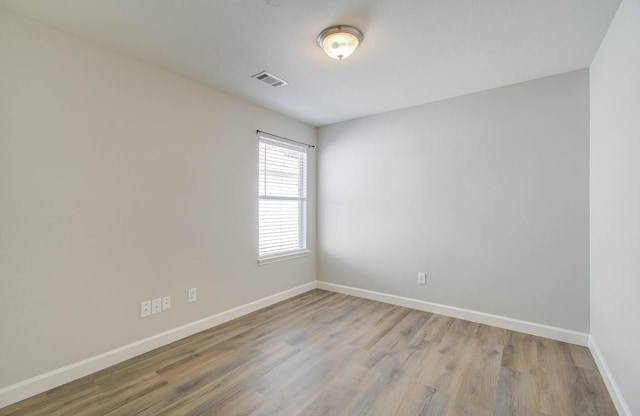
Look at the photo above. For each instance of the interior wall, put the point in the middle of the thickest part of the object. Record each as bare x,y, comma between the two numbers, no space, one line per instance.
121,182
615,200
486,193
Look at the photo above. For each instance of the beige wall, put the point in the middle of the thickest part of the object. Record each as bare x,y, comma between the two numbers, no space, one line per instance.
615,203
486,193
121,182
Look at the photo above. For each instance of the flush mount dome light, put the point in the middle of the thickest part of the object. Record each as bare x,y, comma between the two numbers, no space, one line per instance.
339,41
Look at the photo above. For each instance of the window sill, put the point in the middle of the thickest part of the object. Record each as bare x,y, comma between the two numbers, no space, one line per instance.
282,257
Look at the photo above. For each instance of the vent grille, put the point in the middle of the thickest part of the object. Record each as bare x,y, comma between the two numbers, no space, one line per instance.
270,79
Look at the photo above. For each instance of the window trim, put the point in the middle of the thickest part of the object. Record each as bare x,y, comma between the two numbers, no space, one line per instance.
302,251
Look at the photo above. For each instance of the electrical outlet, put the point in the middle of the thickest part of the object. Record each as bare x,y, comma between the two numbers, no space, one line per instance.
422,278
166,303
145,308
156,306
193,295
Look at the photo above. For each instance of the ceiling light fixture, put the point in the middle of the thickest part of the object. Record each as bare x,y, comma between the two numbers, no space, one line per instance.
339,41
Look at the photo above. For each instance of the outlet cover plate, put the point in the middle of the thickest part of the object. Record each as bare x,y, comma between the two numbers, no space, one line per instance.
145,308
156,306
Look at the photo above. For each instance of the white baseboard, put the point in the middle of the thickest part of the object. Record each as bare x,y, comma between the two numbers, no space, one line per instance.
609,381
36,385
559,334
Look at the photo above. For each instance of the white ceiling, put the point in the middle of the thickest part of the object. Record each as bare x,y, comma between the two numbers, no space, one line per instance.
414,51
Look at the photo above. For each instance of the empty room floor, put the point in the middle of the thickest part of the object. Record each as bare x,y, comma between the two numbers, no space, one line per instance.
323,353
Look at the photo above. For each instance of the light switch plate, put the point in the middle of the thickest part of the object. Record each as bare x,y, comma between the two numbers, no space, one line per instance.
166,303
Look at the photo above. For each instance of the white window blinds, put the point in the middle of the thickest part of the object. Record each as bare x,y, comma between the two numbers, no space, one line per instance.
282,219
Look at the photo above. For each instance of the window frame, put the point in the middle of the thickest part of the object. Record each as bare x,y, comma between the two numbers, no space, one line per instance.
302,198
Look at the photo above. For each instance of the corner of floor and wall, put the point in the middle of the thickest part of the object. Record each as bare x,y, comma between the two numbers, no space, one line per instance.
519,204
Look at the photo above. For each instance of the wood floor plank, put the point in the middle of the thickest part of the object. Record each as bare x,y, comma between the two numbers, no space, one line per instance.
405,333
437,327
180,396
339,395
25,406
517,394
581,357
245,403
436,404
476,380
443,364
492,335
65,404
555,378
521,353
588,401
341,329
380,327
128,391
303,387
322,353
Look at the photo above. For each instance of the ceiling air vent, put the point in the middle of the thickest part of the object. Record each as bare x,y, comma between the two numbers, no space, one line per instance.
270,79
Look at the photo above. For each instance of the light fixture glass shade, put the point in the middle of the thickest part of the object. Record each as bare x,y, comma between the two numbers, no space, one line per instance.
339,41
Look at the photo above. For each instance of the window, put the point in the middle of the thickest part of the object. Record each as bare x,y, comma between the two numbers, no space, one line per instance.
282,218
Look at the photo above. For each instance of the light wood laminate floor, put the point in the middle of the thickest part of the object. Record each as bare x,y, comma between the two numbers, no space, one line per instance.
323,353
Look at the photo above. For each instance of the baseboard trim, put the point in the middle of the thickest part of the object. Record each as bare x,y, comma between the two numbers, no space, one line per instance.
615,393
41,383
559,334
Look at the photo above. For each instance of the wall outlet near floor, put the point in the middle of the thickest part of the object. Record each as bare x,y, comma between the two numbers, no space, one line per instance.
156,306
422,278
193,295
145,308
